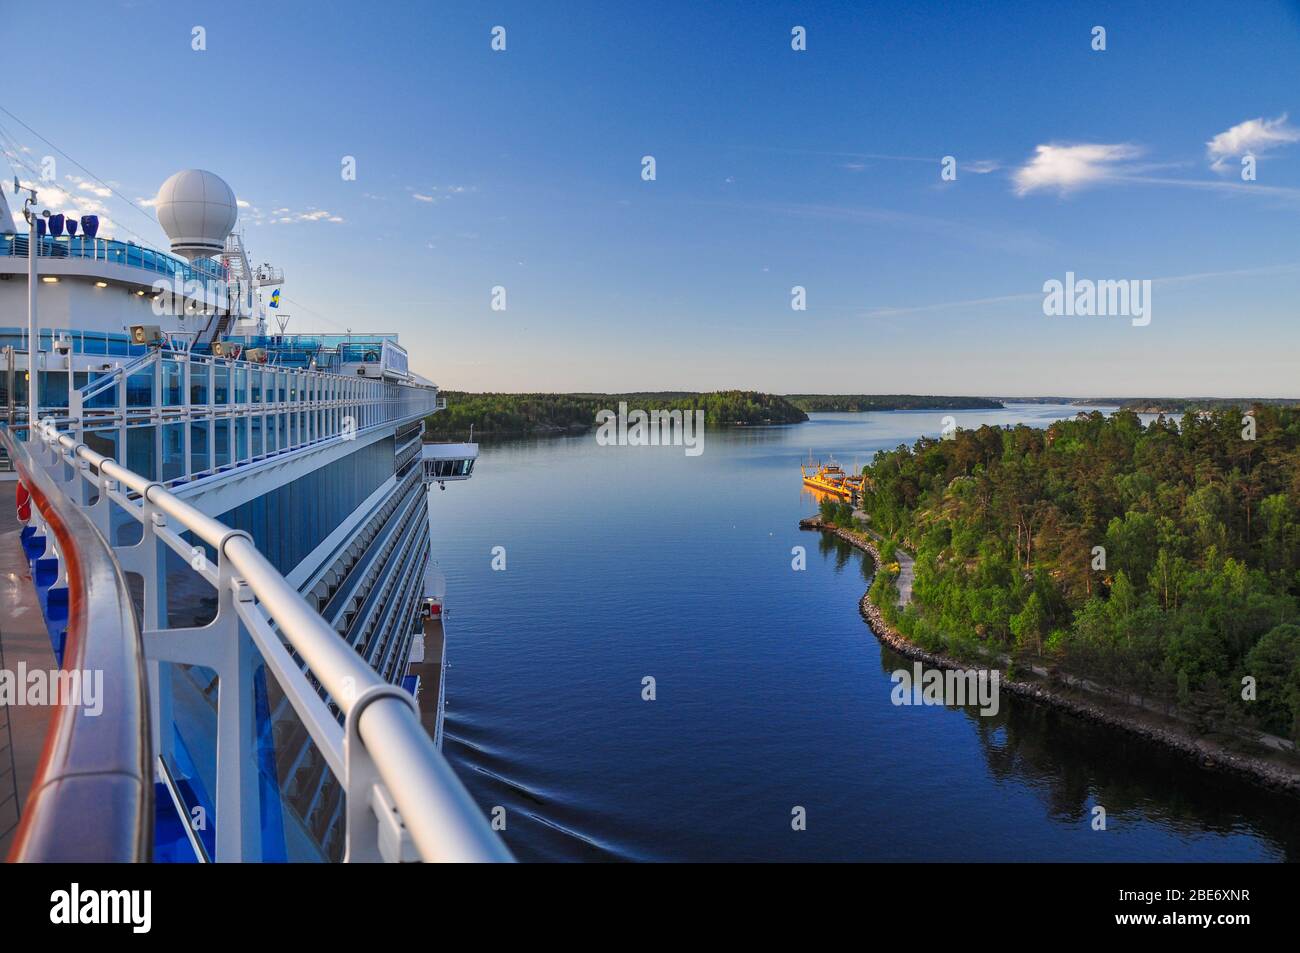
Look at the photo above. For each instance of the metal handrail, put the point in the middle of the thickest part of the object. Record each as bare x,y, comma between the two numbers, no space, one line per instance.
441,818
92,797
113,251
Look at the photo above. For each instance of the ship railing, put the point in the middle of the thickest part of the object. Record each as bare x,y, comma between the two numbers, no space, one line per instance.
114,252
262,409
403,801
92,796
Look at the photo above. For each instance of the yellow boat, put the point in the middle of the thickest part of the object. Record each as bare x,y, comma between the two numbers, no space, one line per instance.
831,479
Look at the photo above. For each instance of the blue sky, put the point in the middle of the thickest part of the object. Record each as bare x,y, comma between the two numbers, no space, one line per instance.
775,168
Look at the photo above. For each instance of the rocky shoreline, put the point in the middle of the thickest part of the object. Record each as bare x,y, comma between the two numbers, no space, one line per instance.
1206,754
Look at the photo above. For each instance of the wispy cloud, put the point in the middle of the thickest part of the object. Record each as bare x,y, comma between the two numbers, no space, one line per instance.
859,160
284,216
1011,240
93,188
1290,194
1067,167
1282,269
438,193
1252,137
252,214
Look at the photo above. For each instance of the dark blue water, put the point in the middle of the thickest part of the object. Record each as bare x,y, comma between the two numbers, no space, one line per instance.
772,693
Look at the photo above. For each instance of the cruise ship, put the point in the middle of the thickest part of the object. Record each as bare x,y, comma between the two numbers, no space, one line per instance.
222,632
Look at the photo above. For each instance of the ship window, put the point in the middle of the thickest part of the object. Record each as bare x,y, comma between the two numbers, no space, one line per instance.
240,425
198,447
54,389
139,451
139,388
221,442
221,386
94,344
173,452
171,383
199,384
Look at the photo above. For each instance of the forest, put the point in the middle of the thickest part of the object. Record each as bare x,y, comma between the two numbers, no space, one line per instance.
559,413
1162,560
857,403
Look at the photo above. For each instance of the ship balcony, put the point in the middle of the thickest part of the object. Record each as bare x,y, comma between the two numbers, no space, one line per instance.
448,462
126,262
177,416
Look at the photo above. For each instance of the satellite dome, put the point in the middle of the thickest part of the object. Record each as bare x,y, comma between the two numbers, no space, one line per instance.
197,211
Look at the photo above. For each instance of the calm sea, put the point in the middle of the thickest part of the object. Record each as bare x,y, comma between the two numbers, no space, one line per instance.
772,693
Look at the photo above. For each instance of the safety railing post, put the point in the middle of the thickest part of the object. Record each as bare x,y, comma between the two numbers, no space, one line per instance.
238,796
374,830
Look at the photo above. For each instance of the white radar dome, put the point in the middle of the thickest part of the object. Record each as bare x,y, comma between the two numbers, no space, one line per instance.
197,210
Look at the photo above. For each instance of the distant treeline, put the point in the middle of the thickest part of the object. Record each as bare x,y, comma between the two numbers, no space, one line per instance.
1161,405
1183,405
558,413
855,403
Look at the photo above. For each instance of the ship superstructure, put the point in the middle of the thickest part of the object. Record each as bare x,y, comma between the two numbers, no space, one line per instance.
232,525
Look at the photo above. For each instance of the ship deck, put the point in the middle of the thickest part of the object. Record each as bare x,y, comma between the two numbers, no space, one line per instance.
430,672
24,641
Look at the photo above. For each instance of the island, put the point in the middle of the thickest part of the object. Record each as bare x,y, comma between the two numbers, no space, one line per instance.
532,414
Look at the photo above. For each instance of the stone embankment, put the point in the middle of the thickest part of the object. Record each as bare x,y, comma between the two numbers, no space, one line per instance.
1111,712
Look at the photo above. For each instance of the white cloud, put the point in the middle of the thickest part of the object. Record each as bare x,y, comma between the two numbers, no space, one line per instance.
92,188
982,166
1066,167
1252,137
58,199
437,193
285,216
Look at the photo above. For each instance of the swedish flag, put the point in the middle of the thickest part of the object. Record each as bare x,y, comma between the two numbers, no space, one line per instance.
275,298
